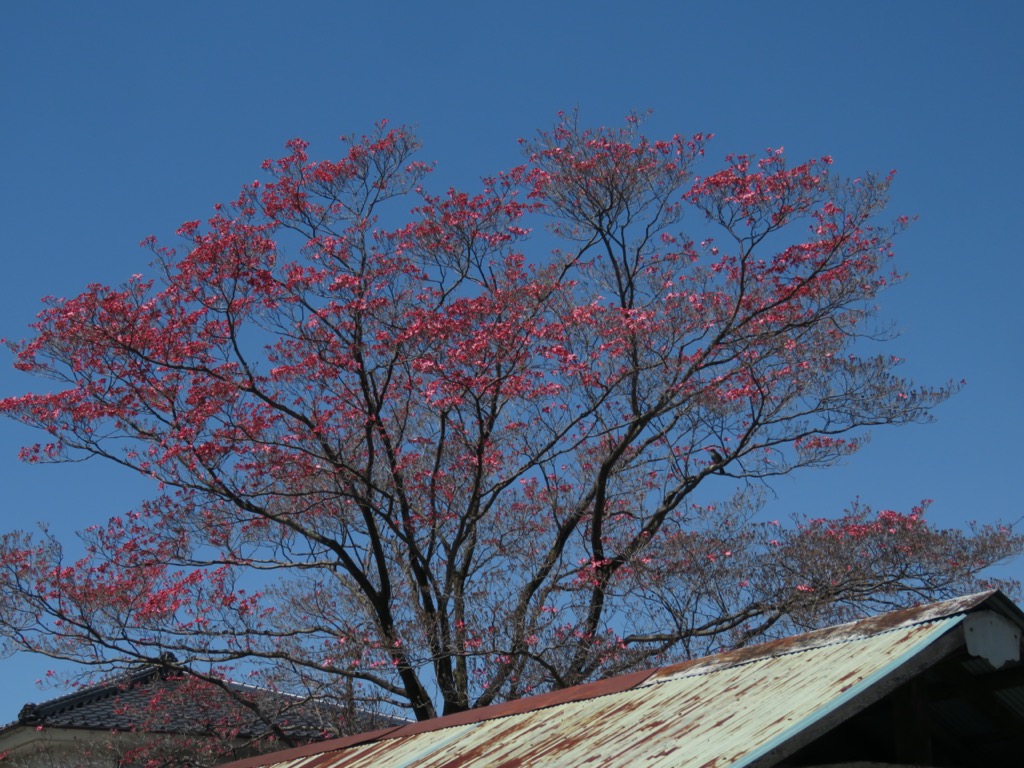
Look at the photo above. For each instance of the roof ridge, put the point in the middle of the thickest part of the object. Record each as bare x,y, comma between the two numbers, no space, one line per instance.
112,685
857,629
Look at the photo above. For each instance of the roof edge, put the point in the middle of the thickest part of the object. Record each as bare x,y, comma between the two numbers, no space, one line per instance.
581,692
860,628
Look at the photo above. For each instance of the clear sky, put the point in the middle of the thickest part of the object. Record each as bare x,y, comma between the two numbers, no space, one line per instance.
122,119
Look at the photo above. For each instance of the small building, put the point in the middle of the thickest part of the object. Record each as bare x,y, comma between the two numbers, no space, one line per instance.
939,686
157,710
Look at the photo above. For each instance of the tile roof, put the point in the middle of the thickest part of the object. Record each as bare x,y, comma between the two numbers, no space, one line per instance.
160,699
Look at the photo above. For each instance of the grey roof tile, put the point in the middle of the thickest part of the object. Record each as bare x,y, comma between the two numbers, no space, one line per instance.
166,699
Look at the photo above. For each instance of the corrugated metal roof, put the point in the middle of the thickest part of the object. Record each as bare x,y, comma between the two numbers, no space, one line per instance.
725,711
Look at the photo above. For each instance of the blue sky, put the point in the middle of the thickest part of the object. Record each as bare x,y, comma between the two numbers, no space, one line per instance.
123,119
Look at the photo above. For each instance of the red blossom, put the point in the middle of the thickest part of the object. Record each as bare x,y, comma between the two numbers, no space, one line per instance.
406,452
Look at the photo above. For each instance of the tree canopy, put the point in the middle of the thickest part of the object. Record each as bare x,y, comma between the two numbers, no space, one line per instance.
406,452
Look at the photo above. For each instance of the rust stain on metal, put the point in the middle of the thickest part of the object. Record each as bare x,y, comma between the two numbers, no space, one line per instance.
708,712
861,628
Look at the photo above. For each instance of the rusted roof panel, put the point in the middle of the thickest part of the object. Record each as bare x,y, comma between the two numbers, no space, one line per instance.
726,713
842,632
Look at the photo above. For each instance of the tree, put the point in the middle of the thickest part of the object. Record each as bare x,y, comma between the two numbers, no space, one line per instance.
399,460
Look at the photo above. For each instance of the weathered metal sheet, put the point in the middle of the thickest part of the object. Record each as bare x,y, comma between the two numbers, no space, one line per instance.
690,715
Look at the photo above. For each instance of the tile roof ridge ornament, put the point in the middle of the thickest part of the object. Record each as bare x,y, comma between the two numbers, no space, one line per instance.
167,663
29,714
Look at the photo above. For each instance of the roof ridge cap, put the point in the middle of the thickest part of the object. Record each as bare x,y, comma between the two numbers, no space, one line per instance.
857,629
